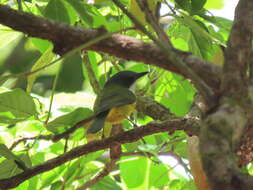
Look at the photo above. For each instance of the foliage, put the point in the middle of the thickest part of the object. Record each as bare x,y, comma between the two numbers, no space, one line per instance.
62,93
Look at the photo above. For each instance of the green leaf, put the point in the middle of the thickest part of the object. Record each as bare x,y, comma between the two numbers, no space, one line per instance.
9,168
66,121
89,14
75,169
18,103
41,45
197,5
7,36
159,176
59,11
175,93
57,148
108,183
177,184
84,10
52,176
5,152
38,158
45,59
153,149
184,4
134,172
93,58
33,183
222,23
214,4
138,13
57,185
181,149
23,186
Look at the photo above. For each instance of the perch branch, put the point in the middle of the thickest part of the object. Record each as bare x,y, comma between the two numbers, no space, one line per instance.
125,137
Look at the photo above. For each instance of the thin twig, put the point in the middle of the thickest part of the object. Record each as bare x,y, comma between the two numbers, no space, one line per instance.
52,96
42,137
170,7
115,152
153,21
92,77
107,169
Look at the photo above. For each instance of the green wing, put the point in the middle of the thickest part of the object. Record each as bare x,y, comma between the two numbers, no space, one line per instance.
98,122
113,96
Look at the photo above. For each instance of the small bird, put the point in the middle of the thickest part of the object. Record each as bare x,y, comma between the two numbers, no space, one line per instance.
115,102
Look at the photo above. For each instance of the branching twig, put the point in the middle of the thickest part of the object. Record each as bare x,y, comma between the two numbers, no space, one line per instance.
105,171
115,152
42,137
52,95
153,21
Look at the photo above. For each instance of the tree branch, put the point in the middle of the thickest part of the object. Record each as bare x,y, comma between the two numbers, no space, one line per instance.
238,52
118,45
219,138
188,125
224,128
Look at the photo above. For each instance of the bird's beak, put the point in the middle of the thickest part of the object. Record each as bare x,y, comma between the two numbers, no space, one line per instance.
139,75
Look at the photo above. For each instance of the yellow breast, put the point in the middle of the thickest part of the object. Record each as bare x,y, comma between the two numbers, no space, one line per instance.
118,114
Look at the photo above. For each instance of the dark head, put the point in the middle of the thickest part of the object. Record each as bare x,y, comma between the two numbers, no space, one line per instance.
124,78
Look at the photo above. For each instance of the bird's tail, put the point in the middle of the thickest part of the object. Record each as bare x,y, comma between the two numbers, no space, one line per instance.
98,122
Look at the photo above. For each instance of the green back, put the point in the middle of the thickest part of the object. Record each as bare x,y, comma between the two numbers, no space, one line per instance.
113,96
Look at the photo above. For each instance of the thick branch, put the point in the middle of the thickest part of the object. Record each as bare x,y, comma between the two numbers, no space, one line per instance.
189,126
65,38
153,109
238,52
224,127
219,138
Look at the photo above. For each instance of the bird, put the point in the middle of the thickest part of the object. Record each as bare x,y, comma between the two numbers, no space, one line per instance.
115,102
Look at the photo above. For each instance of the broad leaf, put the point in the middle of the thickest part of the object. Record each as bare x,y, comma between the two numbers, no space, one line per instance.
60,11
45,59
108,183
9,168
197,5
214,4
66,121
18,103
134,172
159,175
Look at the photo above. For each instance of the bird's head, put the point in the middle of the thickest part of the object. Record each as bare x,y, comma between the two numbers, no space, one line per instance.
124,78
